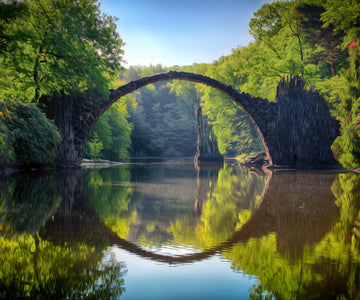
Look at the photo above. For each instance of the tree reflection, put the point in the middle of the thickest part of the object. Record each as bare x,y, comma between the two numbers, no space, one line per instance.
326,268
109,193
235,195
300,237
230,198
34,263
35,268
26,202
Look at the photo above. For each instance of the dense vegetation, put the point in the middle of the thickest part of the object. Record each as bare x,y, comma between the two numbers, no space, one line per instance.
315,39
27,137
50,48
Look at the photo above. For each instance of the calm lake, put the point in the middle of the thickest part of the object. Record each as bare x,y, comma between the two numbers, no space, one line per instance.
162,229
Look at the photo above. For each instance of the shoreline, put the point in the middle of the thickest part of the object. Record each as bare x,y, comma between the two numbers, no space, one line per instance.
256,162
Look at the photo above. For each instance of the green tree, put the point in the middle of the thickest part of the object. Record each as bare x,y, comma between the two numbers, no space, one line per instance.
276,27
344,16
347,146
59,47
95,147
328,40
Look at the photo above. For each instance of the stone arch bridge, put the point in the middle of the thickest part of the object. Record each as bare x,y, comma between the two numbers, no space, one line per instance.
296,129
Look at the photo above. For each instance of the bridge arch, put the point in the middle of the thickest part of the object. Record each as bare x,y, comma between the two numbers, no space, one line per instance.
296,129
254,107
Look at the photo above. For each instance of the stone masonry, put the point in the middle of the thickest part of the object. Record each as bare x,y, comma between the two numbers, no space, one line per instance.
296,129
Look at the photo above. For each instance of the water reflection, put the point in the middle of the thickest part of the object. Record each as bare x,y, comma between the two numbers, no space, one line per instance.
297,233
40,261
27,201
174,208
328,265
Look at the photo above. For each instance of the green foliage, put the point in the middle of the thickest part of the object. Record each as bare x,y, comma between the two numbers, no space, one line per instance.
111,137
232,127
227,205
276,28
9,12
327,40
234,131
347,146
58,47
34,137
329,269
32,267
163,121
95,146
345,16
163,124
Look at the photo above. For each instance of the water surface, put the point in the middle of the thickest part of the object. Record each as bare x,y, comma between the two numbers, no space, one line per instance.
164,229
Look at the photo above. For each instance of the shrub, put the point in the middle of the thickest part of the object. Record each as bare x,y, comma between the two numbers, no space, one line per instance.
34,137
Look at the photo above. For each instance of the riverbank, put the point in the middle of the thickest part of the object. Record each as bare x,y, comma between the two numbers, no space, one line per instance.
260,163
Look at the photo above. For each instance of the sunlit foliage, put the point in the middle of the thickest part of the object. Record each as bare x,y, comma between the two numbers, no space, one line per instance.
56,47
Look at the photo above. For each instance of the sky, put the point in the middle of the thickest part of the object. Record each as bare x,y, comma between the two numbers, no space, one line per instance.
181,32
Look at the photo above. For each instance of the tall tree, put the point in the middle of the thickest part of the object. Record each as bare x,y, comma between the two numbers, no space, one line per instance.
345,16
60,47
329,54
276,28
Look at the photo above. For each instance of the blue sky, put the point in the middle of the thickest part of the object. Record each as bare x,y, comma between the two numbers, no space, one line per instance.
181,32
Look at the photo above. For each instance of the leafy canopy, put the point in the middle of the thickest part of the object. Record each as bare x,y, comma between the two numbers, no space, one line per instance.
58,46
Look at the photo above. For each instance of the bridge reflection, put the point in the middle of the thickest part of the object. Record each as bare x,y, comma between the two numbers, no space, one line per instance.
299,207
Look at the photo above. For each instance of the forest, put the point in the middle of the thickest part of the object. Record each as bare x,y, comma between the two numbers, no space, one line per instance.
317,40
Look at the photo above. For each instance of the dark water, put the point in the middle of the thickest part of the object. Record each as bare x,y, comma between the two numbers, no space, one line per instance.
165,230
